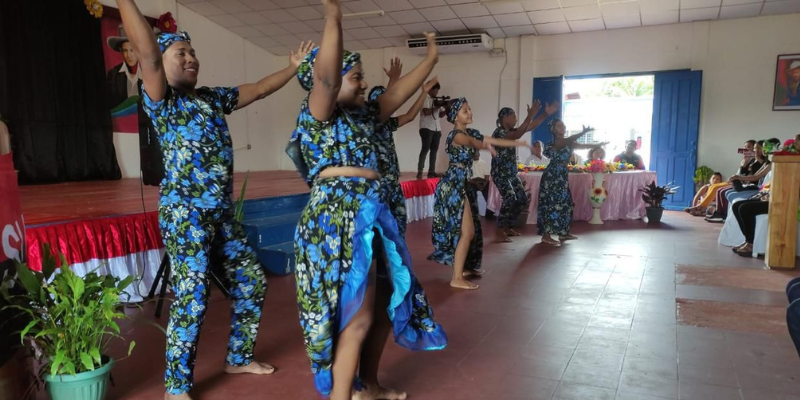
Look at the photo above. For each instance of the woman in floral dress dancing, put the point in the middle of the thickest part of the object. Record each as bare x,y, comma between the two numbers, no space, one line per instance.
555,200
340,297
504,165
457,237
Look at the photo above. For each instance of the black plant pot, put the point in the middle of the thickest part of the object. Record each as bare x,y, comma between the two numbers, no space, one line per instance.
654,214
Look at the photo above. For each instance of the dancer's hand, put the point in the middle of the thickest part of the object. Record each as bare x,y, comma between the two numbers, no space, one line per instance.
586,129
532,111
433,48
395,70
296,58
551,108
332,9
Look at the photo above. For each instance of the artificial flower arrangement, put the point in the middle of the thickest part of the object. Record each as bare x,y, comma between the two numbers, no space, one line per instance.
576,168
530,168
94,7
599,166
787,149
166,23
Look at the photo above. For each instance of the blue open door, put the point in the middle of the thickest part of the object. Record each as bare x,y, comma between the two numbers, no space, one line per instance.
676,121
547,90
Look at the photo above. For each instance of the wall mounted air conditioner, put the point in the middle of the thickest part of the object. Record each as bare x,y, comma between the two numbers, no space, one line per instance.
453,44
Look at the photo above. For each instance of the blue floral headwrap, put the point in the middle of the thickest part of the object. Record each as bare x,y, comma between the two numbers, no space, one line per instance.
455,106
305,73
375,92
502,114
168,39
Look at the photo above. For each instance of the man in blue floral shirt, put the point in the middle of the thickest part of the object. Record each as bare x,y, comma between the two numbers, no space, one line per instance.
195,206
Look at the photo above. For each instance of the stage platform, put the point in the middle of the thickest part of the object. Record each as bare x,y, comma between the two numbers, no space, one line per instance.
113,226
74,201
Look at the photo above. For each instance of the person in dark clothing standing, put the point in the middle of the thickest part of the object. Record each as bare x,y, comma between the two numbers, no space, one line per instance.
430,132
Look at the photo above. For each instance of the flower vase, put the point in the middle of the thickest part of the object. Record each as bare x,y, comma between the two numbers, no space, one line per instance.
597,196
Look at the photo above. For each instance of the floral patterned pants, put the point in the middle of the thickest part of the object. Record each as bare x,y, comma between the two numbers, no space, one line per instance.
193,237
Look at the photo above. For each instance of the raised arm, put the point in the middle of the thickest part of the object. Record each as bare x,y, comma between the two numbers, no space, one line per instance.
549,109
414,110
523,127
146,47
588,145
394,72
463,139
328,65
251,92
572,140
405,87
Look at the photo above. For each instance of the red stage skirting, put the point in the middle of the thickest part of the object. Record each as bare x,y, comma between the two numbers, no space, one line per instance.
90,243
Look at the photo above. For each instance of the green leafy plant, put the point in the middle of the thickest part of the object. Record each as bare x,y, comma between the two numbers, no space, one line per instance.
238,212
702,175
72,318
653,195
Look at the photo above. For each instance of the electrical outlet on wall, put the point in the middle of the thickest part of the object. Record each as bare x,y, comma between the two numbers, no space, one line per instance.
497,52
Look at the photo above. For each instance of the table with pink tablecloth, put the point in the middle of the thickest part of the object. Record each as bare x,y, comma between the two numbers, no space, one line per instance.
624,199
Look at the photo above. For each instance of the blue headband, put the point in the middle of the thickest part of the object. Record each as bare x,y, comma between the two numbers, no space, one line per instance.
455,106
305,73
502,114
168,39
375,92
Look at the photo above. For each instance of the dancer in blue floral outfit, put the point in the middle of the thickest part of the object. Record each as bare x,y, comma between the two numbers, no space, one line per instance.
195,205
388,165
555,199
457,237
340,300
504,165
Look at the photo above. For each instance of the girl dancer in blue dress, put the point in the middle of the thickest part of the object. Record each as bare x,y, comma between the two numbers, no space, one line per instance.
345,220
457,237
504,165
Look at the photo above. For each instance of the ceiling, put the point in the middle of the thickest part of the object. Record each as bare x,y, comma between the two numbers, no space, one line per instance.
277,25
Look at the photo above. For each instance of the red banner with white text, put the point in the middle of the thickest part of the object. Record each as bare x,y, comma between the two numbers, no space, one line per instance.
12,228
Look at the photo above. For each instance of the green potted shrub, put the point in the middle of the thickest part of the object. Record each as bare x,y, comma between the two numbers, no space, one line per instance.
72,319
654,195
701,176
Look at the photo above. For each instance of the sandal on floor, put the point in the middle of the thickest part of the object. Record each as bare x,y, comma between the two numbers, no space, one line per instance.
744,253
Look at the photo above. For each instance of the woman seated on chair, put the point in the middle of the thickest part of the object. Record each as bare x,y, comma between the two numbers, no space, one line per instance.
746,212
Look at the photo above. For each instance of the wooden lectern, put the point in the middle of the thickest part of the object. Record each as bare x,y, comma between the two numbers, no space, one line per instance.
783,201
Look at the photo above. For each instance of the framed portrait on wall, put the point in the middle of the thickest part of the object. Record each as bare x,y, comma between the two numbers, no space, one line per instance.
787,83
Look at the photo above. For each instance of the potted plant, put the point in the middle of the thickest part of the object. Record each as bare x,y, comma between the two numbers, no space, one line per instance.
72,319
701,176
653,195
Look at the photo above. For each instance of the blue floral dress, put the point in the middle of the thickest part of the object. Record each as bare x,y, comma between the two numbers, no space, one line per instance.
555,200
197,225
333,243
389,168
448,206
505,178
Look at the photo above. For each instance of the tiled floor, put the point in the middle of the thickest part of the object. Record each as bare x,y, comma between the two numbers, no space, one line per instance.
593,319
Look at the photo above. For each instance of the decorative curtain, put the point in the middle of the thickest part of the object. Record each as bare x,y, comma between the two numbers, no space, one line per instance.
52,82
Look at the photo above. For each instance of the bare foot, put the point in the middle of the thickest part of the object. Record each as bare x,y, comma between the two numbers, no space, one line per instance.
473,273
511,232
184,396
377,392
502,236
256,368
463,284
567,237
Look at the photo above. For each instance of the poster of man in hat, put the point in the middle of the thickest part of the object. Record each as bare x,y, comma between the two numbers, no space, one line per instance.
123,86
787,83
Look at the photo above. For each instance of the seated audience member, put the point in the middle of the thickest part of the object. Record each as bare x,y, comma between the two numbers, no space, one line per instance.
629,156
751,164
597,153
701,194
537,158
481,178
745,212
575,159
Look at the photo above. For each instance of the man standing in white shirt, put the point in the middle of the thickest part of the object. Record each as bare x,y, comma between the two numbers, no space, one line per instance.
537,158
430,132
